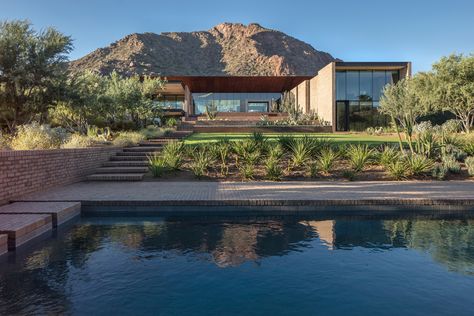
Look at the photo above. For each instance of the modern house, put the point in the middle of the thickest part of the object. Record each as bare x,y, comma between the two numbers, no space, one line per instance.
344,94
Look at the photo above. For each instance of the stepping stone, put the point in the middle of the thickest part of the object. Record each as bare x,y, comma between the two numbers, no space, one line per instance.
61,212
116,177
3,244
24,228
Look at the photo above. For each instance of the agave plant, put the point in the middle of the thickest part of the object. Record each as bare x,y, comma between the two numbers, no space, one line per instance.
326,159
300,152
156,164
359,156
450,163
418,164
469,161
389,155
200,163
224,152
275,152
273,170
173,154
397,169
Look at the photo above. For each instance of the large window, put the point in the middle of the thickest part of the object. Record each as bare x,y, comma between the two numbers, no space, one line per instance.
357,98
234,102
171,101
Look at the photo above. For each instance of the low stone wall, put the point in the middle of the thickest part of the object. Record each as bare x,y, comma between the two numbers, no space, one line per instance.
27,171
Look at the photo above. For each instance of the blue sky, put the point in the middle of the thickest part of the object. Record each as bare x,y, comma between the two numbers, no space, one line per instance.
420,31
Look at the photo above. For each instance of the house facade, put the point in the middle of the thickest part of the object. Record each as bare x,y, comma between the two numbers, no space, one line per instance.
345,95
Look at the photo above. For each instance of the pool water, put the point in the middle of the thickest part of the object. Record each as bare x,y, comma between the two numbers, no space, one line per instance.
277,266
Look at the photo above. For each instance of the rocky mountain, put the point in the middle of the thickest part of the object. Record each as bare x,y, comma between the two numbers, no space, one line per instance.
227,49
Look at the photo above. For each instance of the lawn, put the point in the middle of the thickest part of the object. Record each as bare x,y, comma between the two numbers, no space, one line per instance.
343,138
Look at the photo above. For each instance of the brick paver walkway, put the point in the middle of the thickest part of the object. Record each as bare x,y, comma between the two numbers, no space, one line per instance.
272,191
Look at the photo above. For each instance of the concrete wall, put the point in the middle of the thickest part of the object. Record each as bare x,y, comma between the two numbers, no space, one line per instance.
325,93
27,171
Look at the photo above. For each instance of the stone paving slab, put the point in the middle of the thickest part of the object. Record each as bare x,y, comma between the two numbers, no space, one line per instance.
22,228
264,192
3,244
61,212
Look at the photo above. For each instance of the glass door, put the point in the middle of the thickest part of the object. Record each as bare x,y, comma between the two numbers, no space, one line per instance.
342,116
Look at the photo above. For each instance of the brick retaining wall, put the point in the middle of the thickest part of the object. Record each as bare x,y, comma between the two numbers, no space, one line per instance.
27,171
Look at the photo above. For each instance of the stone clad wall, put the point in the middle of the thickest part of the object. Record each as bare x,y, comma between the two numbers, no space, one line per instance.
27,171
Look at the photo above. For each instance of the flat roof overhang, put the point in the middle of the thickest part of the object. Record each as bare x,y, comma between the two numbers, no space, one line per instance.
341,65
236,84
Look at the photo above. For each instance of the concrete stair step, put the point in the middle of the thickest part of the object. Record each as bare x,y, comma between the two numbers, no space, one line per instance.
133,153
129,158
142,149
122,170
130,163
153,143
116,177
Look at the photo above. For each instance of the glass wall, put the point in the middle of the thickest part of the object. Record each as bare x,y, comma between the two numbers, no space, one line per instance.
357,97
234,102
171,101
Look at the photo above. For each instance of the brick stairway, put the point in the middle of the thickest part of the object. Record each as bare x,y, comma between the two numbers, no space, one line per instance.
131,164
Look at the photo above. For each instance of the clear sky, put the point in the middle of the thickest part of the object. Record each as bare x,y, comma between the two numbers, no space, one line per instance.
420,31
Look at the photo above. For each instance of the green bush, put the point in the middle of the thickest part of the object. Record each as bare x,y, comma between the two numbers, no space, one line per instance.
450,163
389,155
247,171
79,141
124,139
4,142
157,164
439,171
173,153
469,148
359,156
273,170
200,163
151,131
171,122
300,152
35,136
456,152
326,159
470,165
397,169
418,164
247,151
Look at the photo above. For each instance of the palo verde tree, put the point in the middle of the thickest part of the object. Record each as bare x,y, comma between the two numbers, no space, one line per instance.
402,102
453,87
32,67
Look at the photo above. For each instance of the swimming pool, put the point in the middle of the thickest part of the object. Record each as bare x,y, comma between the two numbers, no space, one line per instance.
277,266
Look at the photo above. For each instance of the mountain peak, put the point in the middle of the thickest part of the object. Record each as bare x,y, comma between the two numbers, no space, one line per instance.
232,49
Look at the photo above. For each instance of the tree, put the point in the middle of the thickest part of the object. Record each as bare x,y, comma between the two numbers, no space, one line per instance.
403,104
453,88
32,67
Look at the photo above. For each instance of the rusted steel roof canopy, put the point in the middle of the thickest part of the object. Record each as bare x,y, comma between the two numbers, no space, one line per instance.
240,84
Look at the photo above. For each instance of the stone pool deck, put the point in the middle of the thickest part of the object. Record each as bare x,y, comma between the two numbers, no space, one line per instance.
289,196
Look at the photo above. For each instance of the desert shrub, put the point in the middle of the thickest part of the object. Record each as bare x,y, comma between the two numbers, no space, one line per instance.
173,153
418,164
273,170
285,141
275,152
151,131
326,159
124,139
388,155
397,169
349,175
247,171
313,168
79,141
201,162
223,155
171,122
168,132
439,171
157,164
470,165
469,148
4,142
36,136
359,156
451,164
451,126
301,151
456,152
246,150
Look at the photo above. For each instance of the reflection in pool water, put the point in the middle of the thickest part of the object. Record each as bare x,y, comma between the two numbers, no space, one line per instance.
268,266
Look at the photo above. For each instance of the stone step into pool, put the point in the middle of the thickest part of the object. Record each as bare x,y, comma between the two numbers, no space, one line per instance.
23,222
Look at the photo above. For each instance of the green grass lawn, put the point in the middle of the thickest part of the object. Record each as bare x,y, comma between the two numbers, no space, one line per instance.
343,138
